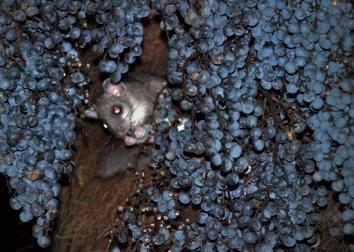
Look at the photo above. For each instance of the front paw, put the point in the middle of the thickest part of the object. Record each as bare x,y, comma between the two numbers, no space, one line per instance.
140,132
130,141
151,138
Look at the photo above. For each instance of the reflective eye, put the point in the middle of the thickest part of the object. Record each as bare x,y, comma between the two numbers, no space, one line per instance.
117,109
105,126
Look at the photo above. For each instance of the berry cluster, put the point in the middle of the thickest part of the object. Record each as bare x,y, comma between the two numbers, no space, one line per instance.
254,134
42,81
256,130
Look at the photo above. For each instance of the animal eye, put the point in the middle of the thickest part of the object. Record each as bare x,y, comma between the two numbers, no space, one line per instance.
117,109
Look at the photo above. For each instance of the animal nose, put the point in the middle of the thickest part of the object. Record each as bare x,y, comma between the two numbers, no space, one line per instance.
120,131
130,131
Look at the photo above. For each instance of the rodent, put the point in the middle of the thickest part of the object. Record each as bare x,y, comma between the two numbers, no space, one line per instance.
126,110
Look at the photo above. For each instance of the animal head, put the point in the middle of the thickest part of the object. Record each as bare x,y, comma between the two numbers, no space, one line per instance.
113,108
119,111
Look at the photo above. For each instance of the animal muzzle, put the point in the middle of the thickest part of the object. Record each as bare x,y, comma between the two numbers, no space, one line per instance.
122,130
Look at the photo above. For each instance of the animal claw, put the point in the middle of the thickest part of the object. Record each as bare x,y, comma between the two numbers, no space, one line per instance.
129,141
139,132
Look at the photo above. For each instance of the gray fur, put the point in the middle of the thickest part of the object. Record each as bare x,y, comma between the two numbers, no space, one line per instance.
137,100
120,159
140,91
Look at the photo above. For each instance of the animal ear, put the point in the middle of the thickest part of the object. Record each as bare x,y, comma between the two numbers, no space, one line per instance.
91,113
112,89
